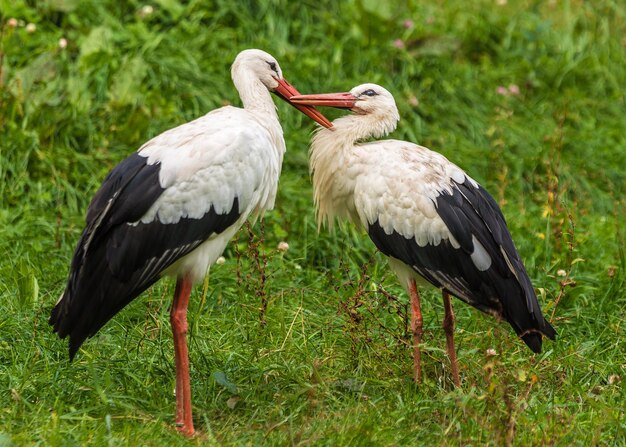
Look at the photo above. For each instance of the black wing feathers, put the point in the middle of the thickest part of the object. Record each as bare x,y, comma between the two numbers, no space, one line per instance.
470,212
133,185
117,258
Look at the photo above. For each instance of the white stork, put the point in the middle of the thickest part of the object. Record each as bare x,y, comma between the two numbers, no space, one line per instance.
435,223
171,208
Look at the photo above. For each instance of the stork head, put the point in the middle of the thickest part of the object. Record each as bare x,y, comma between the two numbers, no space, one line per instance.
264,67
369,100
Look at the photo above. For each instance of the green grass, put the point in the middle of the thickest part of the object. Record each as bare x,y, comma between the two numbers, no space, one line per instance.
332,364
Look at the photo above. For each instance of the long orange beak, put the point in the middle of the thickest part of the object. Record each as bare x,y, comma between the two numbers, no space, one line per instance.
286,91
338,100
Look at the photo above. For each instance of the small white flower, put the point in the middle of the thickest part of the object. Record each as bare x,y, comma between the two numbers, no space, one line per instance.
31,28
283,246
220,260
62,42
491,352
613,379
561,272
146,10
12,22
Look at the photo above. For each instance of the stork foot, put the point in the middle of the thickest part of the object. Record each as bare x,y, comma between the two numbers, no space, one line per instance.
186,431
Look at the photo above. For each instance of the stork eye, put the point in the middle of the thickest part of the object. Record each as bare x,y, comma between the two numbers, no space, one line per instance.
369,92
273,66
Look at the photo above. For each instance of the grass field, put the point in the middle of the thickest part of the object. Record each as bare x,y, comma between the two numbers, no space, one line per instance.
527,96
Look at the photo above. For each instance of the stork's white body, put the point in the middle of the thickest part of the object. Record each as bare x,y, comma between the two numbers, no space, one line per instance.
392,181
227,153
170,208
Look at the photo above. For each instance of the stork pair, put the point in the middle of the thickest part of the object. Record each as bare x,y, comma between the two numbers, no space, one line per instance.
171,208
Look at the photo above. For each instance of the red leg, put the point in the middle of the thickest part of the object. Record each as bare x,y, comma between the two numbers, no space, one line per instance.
448,327
417,329
178,318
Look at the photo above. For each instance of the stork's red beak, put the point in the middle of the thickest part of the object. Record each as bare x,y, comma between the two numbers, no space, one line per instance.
338,100
286,91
